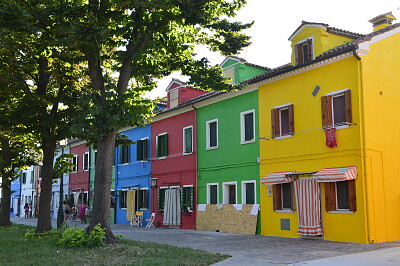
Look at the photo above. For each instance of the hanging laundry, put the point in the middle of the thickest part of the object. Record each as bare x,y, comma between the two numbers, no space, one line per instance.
330,134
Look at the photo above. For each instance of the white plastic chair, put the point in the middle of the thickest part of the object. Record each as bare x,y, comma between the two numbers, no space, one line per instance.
151,220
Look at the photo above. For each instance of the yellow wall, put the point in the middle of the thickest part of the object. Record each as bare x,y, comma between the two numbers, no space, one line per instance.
323,41
306,150
381,84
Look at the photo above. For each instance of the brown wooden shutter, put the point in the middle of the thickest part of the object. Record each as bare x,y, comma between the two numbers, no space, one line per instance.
352,195
326,107
347,102
277,194
330,196
275,123
291,119
299,53
309,49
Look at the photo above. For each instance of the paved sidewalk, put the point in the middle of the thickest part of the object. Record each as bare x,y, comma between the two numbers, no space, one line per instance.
262,250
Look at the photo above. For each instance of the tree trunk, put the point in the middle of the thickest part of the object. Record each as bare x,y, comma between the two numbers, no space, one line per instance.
44,220
6,189
102,186
5,201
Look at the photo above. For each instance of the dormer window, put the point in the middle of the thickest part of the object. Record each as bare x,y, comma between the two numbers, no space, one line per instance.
304,51
173,98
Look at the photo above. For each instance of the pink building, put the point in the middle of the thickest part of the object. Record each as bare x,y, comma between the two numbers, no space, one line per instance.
79,179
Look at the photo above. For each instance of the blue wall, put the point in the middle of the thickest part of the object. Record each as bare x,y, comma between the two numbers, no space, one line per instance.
16,187
135,173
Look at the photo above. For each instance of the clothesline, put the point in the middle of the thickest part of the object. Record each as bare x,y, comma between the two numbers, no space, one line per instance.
311,130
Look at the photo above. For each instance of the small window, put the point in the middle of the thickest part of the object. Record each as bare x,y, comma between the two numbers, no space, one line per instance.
24,178
75,163
212,134
86,161
188,140
124,154
212,193
247,126
162,145
230,193
123,199
161,198
283,196
249,192
143,199
282,118
187,198
340,196
304,51
95,158
32,176
336,109
142,150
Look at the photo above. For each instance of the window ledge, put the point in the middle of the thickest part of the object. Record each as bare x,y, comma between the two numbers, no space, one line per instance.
122,164
247,141
284,137
341,127
143,209
212,148
341,212
285,211
161,158
187,153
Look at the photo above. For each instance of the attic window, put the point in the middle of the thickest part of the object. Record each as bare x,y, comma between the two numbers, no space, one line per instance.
304,51
173,98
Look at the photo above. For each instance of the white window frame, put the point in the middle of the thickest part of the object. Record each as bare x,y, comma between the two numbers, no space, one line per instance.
208,192
184,142
208,134
336,94
148,195
282,107
161,134
84,161
242,126
225,192
75,167
244,190
184,186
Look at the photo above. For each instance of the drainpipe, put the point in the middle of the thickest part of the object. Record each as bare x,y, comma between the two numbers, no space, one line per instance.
196,188
370,234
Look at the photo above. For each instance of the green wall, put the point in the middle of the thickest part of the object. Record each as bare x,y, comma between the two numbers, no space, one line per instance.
231,161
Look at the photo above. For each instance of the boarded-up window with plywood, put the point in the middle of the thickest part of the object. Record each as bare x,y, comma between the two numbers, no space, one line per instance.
173,98
336,109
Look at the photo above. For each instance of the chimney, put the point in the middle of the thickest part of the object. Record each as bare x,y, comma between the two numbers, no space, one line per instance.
382,21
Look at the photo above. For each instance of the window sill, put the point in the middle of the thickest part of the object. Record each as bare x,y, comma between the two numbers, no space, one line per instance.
285,211
187,153
342,212
86,170
211,148
341,127
161,158
284,137
143,209
122,164
247,141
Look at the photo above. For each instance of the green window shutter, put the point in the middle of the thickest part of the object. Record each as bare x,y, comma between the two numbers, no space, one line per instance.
145,149
192,198
249,126
183,194
158,146
213,134
160,201
145,199
139,151
188,140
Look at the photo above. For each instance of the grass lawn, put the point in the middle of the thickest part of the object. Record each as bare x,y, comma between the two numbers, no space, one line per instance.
16,250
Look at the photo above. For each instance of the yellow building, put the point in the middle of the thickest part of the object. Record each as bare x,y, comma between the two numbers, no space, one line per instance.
329,143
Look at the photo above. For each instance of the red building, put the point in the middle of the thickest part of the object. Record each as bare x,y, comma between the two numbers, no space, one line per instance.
174,159
79,179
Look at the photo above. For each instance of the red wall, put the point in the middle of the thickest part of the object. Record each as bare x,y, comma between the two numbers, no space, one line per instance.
184,94
176,168
80,179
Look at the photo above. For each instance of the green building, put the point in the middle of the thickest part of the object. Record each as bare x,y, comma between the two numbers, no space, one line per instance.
228,151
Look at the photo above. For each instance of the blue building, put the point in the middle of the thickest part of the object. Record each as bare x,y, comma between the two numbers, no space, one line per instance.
132,175
15,203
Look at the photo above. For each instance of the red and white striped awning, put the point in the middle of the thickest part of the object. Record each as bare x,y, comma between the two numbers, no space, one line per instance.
336,174
277,178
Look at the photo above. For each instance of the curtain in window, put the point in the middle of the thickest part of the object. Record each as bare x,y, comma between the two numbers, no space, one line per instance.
172,207
308,206
130,202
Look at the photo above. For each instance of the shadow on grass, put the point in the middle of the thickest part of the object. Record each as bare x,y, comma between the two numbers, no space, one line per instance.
17,250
